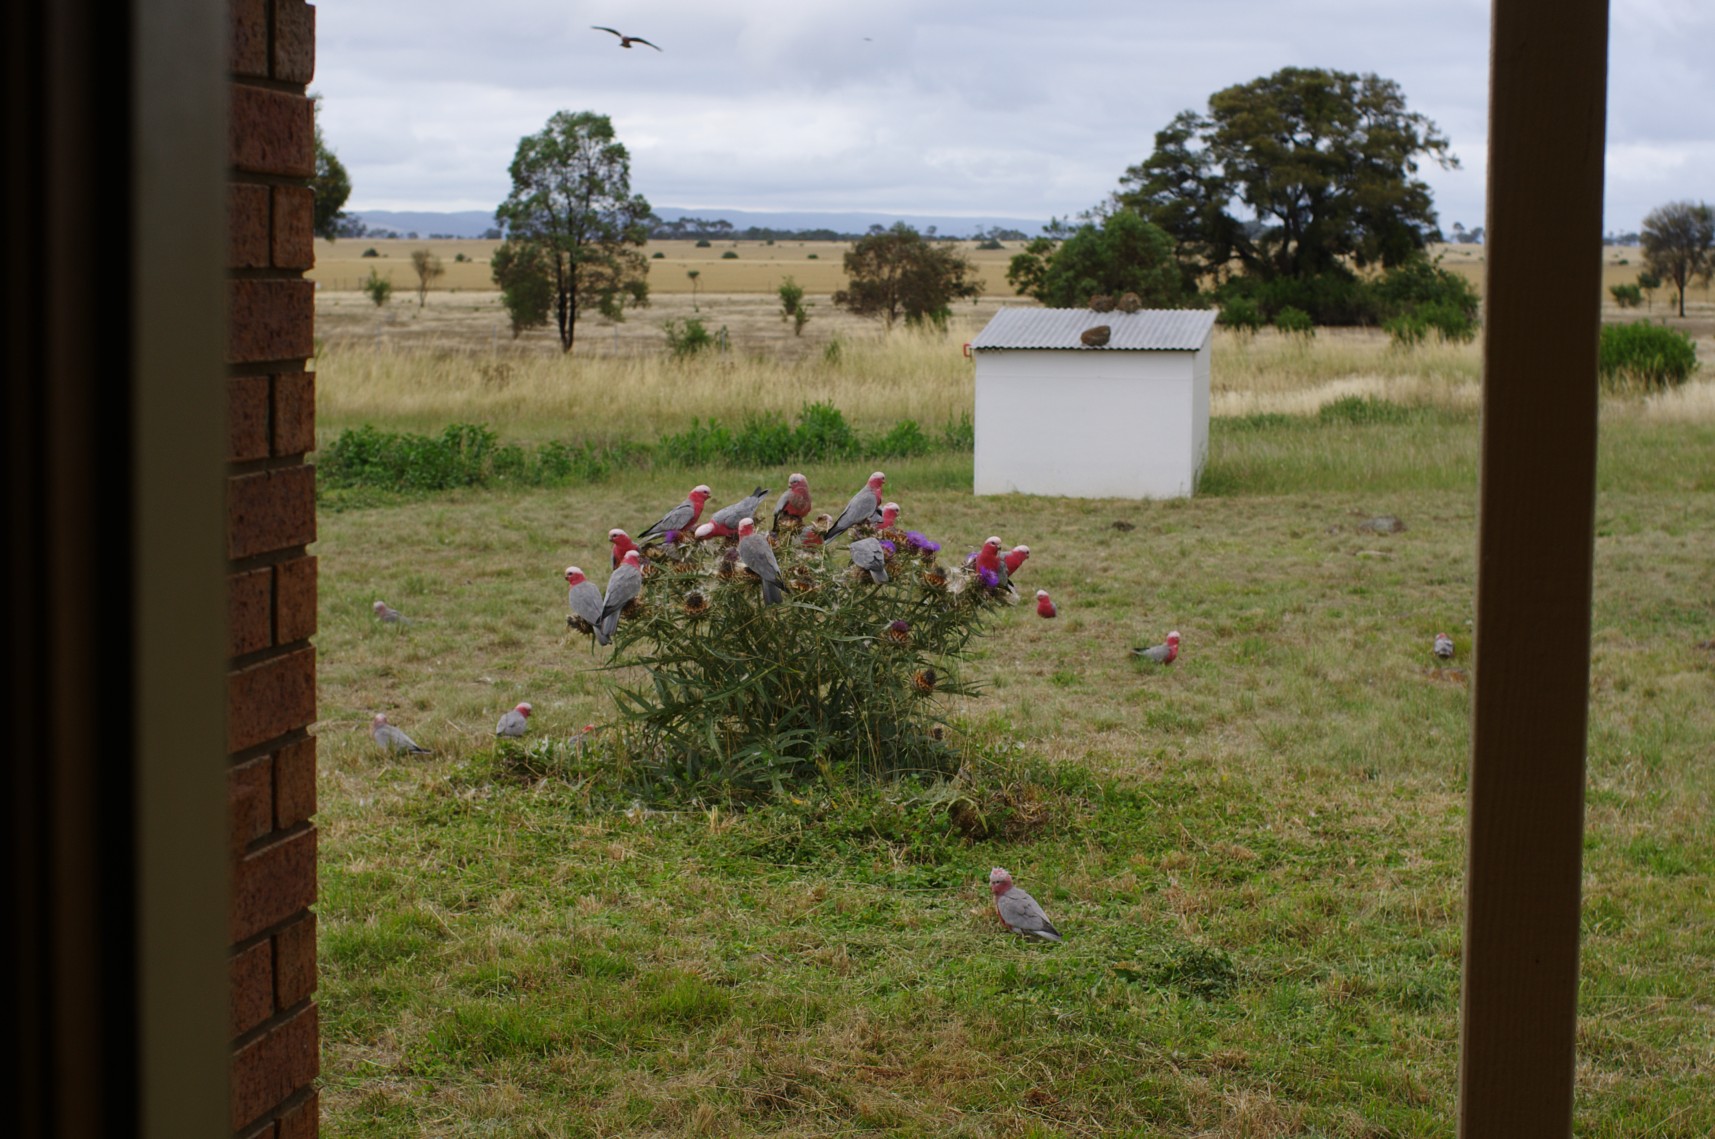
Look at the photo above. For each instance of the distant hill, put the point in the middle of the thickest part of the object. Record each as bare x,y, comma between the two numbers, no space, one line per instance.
473,223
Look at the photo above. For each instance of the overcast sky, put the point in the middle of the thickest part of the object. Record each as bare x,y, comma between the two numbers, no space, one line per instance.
1019,109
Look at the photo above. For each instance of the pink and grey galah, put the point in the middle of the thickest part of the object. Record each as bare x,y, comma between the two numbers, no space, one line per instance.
1165,653
757,556
988,558
1014,558
623,588
1045,605
621,544
1443,646
794,502
865,505
388,615
1018,909
889,515
727,518
582,598
513,723
867,555
682,517
389,738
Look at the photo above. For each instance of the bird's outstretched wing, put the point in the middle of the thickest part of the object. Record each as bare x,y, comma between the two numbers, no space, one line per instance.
644,42
615,31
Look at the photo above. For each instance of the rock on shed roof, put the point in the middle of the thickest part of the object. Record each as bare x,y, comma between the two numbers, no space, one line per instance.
1148,330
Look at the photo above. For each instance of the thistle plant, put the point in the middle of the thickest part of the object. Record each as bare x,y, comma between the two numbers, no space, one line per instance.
843,676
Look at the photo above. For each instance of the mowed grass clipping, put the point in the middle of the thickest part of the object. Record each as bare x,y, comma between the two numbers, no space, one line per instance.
1256,854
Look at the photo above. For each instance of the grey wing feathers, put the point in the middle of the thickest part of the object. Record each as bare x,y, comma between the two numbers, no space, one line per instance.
585,600
1022,915
393,739
859,509
867,555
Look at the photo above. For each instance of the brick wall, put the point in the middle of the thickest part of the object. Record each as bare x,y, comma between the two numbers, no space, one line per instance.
271,584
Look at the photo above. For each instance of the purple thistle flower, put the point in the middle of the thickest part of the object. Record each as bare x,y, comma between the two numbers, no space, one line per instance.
990,579
920,541
670,538
889,547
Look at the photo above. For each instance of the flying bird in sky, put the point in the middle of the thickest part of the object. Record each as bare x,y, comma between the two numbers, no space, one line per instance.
624,40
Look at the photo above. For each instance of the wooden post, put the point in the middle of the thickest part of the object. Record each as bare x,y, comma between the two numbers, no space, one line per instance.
1537,505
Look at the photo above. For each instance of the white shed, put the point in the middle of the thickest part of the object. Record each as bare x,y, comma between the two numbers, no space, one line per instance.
1127,419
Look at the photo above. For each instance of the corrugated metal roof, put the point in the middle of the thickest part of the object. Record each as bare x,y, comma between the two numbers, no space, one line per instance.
1148,330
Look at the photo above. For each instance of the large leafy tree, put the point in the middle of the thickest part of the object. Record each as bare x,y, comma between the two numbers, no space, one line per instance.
1325,160
1124,254
895,273
572,209
330,185
1679,244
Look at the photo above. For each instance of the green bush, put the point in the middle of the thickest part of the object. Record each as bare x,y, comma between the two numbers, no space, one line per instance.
904,441
730,255
1644,355
1365,410
1294,322
702,243
687,338
464,454
959,434
378,288
1406,331
812,257
657,256
1627,296
1450,321
1241,315
370,252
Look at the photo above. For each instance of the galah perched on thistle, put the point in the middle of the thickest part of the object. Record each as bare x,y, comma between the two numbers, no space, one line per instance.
988,558
389,738
728,517
622,588
1443,646
889,516
1161,654
1014,558
865,504
622,543
794,502
1045,605
583,599
388,615
1019,910
513,723
867,555
682,517
712,530
757,556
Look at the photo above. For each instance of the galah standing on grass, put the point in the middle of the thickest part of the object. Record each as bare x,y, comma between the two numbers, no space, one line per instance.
1443,646
1161,654
1045,605
1018,909
582,598
1015,558
622,544
622,588
512,724
794,501
389,615
865,504
682,517
757,556
389,738
867,555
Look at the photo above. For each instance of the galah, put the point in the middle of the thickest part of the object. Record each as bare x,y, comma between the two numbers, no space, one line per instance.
682,517
621,544
794,502
1018,909
712,530
1444,646
389,738
730,516
865,505
1045,605
1014,558
513,723
623,587
582,597
889,515
757,556
389,615
1163,653
988,558
580,739
867,555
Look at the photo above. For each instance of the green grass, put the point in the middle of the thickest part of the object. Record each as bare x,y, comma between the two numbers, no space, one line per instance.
1256,854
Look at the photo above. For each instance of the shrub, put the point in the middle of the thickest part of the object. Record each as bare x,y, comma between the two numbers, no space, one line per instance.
1406,331
688,338
989,243
1450,321
730,255
1294,322
1644,355
904,441
1241,315
1364,411
378,288
657,256
1627,296
812,257
702,243
370,252
460,258
959,434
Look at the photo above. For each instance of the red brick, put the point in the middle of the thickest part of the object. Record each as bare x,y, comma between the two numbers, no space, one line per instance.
271,884
269,1069
247,226
294,783
294,41
270,132
250,981
295,600
270,320
294,413
270,510
301,1121
294,227
247,44
250,801
247,402
295,962
249,612
270,699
